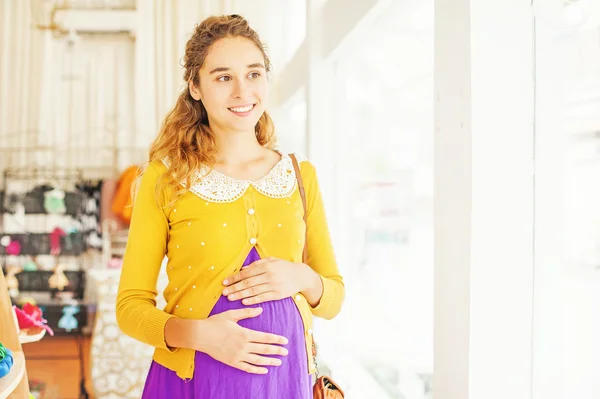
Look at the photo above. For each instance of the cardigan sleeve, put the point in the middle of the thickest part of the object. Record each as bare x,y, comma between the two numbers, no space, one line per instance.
136,311
320,255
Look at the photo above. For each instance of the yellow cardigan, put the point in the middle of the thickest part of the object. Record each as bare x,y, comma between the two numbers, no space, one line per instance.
206,236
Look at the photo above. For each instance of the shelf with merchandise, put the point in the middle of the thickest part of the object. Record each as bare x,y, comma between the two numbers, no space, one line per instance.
33,244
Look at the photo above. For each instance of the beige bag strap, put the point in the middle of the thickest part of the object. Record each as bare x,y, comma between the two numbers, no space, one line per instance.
303,196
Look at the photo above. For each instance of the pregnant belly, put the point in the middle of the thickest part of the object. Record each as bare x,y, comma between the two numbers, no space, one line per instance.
278,317
290,380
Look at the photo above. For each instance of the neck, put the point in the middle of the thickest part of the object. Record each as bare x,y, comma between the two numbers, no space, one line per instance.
236,147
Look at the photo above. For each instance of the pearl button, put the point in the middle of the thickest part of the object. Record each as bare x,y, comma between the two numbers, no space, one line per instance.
189,267
309,331
174,210
176,306
193,286
251,211
201,243
253,241
176,288
211,268
279,225
298,297
224,224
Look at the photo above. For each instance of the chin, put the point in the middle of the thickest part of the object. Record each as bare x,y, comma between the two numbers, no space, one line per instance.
242,127
243,123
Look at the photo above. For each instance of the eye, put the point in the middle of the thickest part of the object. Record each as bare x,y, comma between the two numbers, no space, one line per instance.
224,78
254,75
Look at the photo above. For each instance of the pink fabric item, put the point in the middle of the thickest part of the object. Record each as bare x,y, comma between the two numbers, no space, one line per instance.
55,236
14,248
31,316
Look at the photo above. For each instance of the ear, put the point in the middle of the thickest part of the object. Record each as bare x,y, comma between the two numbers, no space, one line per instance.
194,91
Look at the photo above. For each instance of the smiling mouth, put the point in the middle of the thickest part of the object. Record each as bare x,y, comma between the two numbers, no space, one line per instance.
242,110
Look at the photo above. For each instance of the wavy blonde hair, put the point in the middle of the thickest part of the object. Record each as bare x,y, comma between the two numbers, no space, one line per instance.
185,138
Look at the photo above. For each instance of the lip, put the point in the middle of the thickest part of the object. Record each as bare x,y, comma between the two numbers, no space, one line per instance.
243,106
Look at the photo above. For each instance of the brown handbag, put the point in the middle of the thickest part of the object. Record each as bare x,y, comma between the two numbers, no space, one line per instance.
324,387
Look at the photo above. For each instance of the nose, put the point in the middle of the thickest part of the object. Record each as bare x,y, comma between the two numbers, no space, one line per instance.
240,88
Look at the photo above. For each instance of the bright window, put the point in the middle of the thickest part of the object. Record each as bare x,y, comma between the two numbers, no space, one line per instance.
384,140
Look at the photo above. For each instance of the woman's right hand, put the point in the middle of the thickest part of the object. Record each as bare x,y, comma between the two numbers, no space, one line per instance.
222,338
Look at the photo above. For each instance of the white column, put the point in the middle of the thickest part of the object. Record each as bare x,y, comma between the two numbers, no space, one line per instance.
483,206
452,200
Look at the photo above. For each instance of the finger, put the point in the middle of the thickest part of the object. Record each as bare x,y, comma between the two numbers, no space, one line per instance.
245,313
246,283
249,292
261,298
243,274
262,261
249,368
265,349
258,360
266,338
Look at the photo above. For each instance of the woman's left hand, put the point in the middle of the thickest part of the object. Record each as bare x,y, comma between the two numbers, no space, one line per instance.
268,279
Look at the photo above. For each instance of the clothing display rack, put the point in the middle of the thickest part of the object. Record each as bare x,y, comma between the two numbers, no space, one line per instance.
56,288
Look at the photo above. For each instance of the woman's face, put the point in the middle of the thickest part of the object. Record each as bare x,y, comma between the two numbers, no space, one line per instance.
233,85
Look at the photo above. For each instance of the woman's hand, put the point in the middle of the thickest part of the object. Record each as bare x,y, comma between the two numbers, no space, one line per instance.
272,279
223,339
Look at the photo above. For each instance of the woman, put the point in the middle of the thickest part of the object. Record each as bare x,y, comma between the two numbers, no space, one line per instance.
224,207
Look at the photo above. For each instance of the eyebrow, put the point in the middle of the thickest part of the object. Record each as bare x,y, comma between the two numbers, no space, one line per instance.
225,69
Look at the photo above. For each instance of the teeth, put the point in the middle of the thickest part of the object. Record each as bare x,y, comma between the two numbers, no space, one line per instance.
245,109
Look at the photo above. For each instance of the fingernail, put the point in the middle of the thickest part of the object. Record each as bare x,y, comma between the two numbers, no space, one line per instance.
225,292
225,282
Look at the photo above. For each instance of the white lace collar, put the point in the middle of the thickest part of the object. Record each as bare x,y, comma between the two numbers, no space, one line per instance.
214,186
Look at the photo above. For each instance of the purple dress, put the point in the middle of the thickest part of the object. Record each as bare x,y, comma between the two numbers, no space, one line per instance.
215,380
